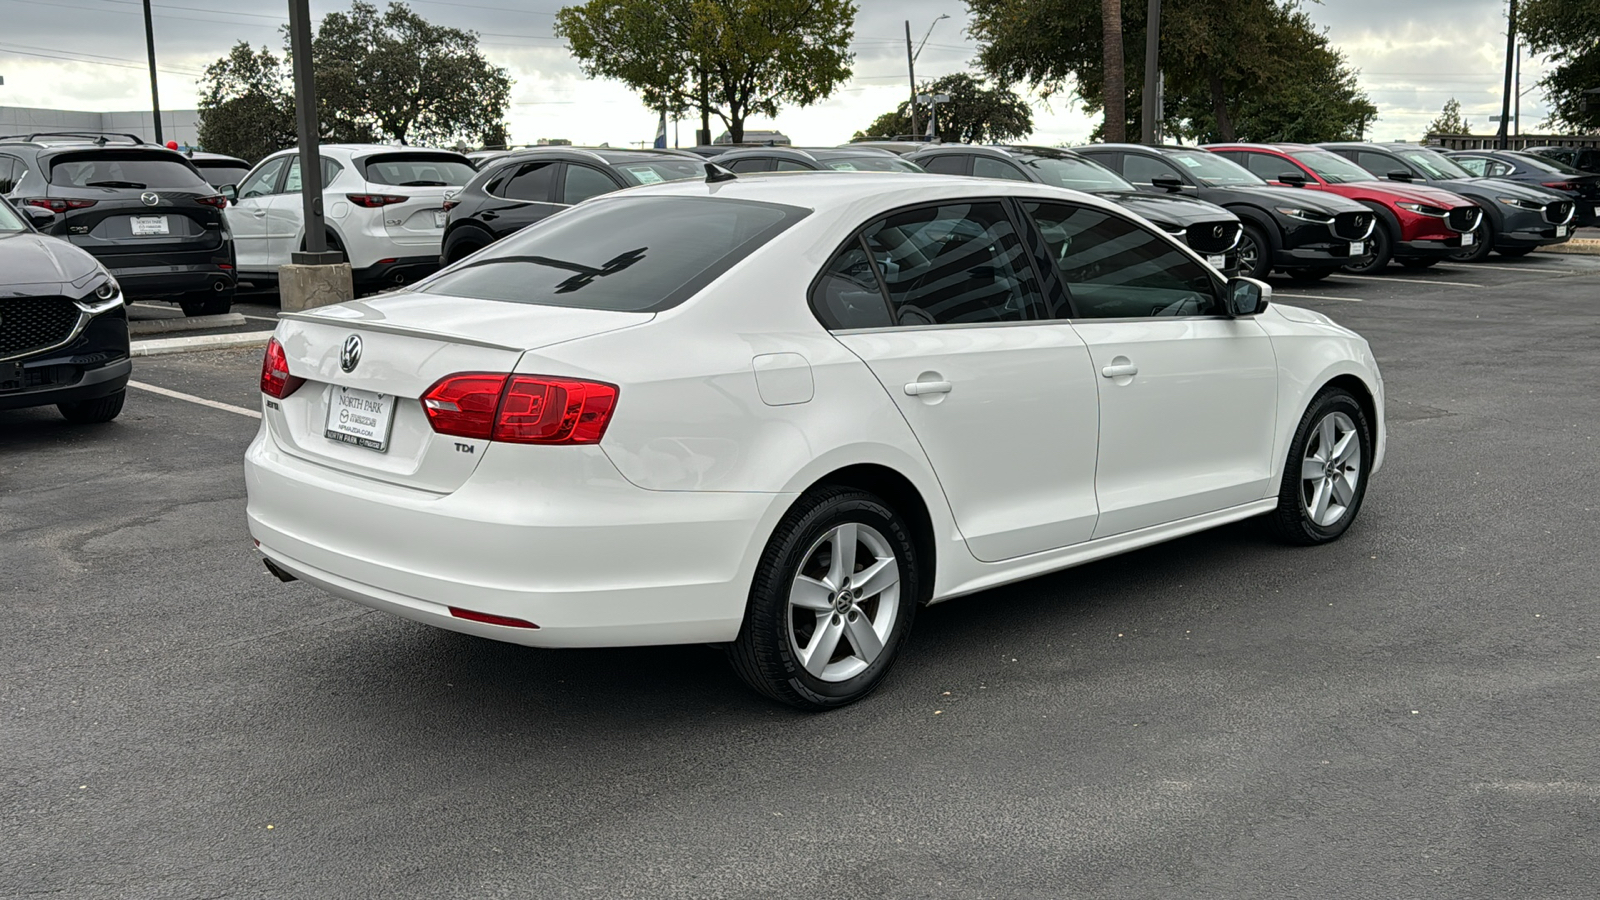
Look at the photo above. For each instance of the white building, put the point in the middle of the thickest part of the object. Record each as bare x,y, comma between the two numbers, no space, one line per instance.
181,125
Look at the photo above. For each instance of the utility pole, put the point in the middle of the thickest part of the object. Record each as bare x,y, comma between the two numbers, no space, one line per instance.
1150,106
305,104
150,47
1516,117
1511,56
911,68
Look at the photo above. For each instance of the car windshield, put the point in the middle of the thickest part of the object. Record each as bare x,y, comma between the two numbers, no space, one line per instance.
10,220
419,170
1545,164
870,164
1078,174
656,171
1331,167
626,254
1212,169
1434,165
124,169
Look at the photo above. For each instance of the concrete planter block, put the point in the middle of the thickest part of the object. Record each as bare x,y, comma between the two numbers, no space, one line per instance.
307,287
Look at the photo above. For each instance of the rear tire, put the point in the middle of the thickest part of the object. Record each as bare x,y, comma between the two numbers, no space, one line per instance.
1377,259
831,603
1484,243
93,412
1325,475
206,304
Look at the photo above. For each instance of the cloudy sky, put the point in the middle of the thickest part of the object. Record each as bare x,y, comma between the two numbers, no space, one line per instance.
89,54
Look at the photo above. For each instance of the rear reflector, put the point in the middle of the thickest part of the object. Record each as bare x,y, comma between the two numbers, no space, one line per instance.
520,409
490,618
275,378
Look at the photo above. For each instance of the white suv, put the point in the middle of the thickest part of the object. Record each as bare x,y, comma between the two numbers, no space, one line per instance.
385,210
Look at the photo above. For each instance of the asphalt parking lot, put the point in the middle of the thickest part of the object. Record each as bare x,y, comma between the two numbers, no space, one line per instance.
1407,713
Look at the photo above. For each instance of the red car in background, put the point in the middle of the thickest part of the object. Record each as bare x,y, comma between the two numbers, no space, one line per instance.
1417,225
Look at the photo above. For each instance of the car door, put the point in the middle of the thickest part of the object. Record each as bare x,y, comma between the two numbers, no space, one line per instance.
286,212
247,215
1188,396
525,194
1004,405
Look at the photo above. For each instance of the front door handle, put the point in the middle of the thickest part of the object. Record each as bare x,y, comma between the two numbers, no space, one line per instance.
259,213
917,388
1118,371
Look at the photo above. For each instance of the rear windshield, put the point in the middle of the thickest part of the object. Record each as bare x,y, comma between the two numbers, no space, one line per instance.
657,171
419,170
123,169
870,164
633,254
1544,164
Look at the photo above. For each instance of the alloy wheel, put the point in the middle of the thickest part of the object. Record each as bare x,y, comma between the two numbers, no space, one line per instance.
1249,255
1330,471
843,602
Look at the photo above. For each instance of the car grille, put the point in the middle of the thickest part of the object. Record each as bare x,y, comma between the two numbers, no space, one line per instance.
1557,213
34,323
1214,237
1352,226
1463,218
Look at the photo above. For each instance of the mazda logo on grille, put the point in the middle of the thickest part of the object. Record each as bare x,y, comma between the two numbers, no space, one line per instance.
1219,231
149,198
350,353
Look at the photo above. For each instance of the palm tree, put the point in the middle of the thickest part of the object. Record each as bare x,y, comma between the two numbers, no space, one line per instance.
1116,84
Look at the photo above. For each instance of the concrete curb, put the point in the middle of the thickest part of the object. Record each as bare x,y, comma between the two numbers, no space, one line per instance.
184,323
1579,247
199,342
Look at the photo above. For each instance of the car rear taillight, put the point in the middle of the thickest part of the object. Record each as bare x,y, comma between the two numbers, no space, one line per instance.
451,204
275,378
375,201
520,409
1561,185
60,205
218,201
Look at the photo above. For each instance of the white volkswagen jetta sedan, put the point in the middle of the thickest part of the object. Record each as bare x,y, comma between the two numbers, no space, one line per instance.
781,412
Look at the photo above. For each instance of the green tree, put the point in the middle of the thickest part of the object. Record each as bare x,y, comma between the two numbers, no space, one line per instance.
1234,69
727,58
974,115
397,76
1568,32
246,107
1450,120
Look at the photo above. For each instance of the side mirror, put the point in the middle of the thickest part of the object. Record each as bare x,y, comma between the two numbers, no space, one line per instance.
1169,183
38,215
1401,175
1247,296
230,191
1293,179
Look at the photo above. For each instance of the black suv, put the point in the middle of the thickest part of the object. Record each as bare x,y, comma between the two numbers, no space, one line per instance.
63,325
518,189
834,159
218,169
1541,171
1517,218
145,212
1308,236
1210,230
1584,159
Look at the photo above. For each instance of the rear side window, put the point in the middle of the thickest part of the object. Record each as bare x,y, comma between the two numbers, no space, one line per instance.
946,164
124,169
418,170
751,164
582,182
636,254
1116,269
984,167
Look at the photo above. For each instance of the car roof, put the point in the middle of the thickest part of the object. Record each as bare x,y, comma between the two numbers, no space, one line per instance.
607,155
1146,149
1286,147
360,151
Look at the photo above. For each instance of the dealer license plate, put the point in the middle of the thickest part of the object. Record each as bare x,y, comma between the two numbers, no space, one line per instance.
1561,231
360,417
438,218
1468,239
1357,248
1217,262
143,225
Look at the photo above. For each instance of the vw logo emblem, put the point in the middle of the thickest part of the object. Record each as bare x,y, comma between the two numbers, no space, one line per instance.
350,353
149,198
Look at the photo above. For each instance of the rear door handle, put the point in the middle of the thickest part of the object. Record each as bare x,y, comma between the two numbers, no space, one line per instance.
917,388
1120,370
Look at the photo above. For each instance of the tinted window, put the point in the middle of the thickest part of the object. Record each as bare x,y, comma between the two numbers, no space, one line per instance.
960,263
753,164
1435,164
10,173
125,170
1141,169
532,181
1540,164
847,294
1331,167
1379,164
984,167
1498,168
1078,174
1115,269
789,165
1267,166
583,182
945,164
632,254
221,174
870,164
418,169
657,171
1209,168
264,181
291,182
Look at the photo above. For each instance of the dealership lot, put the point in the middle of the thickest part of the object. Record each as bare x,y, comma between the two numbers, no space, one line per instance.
1405,713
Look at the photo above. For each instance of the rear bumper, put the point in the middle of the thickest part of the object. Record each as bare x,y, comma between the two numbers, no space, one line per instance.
587,557
403,270
156,281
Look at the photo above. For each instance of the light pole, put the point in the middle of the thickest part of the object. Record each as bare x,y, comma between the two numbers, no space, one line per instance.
150,48
911,65
1505,96
933,101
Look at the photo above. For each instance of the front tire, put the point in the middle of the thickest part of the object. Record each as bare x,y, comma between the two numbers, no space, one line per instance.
831,603
1325,476
93,412
1482,245
1255,253
1378,255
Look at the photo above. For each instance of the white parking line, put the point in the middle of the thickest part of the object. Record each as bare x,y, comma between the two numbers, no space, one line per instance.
1407,280
1523,269
178,395
1316,297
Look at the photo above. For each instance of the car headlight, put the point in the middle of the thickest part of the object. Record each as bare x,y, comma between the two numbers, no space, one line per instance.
107,295
1423,209
1519,203
107,291
1306,215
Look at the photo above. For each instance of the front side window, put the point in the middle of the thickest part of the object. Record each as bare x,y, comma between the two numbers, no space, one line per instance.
1434,164
871,164
1331,167
1210,169
984,167
955,264
1268,167
656,171
1474,164
1379,164
789,165
1077,174
1115,269
265,179
1141,169
582,182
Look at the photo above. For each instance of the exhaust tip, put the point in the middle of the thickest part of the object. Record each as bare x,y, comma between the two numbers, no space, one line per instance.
278,572
219,286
